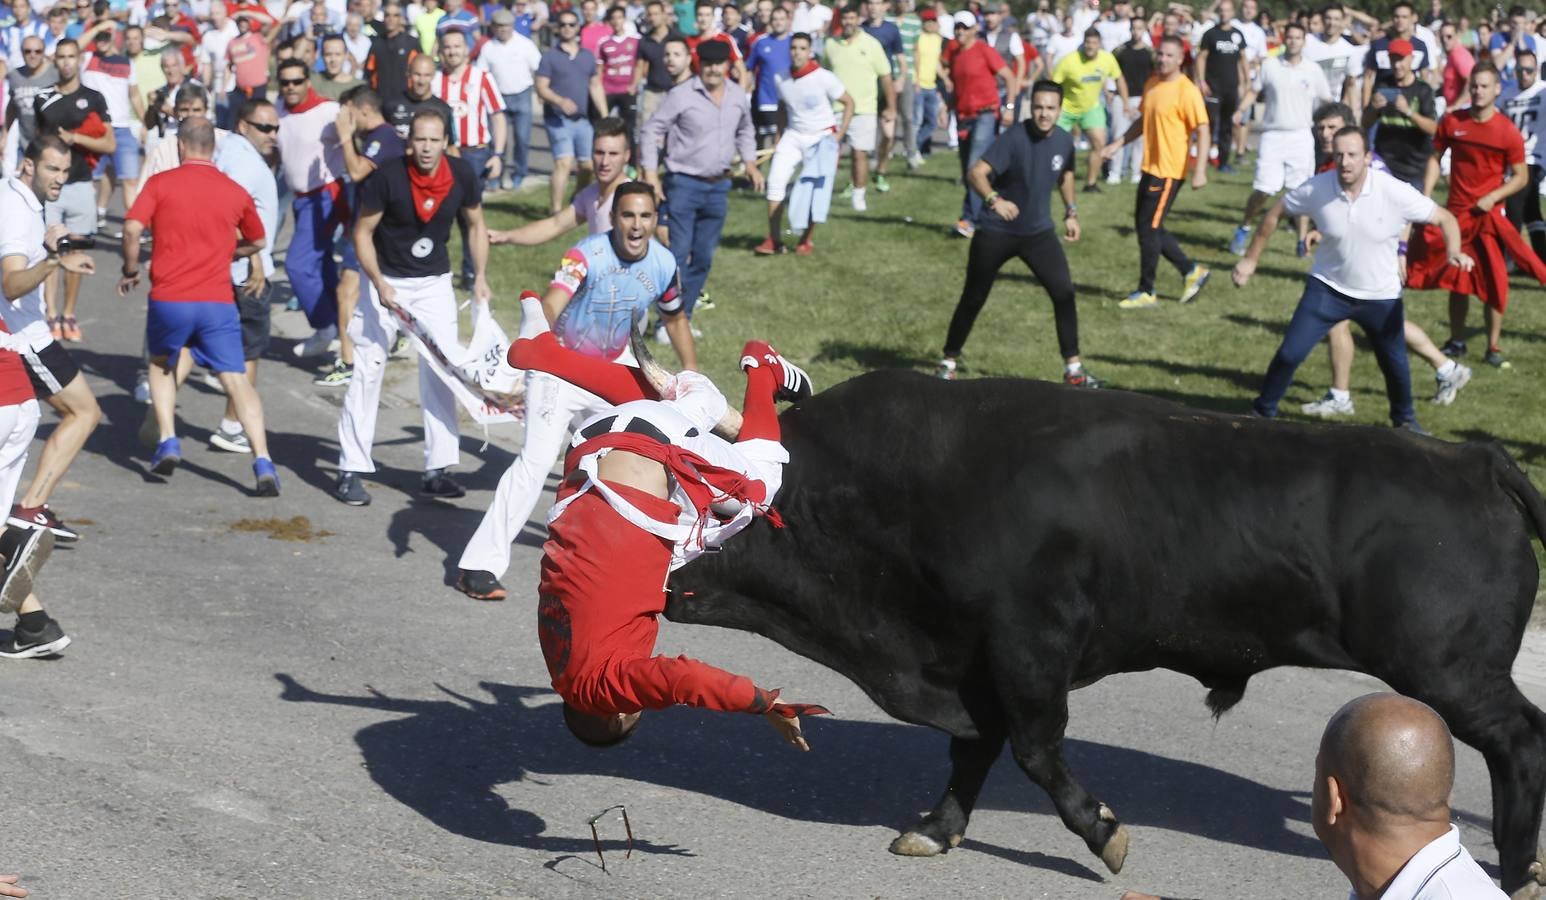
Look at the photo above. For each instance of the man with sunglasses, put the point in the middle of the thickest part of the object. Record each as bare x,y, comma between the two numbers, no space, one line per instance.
972,71
313,164
1527,110
26,82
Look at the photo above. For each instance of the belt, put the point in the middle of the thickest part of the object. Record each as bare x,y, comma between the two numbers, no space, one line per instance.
707,179
483,146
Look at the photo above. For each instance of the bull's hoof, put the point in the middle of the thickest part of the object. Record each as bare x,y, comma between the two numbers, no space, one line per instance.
914,844
1115,852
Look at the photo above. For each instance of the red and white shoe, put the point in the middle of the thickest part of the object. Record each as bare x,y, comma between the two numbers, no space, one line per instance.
793,383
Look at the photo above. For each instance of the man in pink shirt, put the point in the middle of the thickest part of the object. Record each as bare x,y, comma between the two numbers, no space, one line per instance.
1457,67
618,52
592,29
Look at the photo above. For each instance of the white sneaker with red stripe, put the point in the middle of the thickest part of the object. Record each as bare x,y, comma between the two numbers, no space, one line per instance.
793,383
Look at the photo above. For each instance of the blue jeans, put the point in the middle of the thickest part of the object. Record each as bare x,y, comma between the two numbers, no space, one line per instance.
477,158
698,208
1321,307
975,135
925,108
518,112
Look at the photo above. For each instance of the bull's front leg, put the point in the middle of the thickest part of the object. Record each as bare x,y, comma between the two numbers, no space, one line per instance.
945,825
1037,742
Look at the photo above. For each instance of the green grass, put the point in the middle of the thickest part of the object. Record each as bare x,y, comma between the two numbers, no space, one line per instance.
880,292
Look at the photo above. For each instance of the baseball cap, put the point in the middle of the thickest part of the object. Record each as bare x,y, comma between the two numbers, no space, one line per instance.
964,19
928,15
504,17
1400,47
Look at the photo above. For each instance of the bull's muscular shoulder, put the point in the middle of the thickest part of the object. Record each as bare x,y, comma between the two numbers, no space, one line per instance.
927,519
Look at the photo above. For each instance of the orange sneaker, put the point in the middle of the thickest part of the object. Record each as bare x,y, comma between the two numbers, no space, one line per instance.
768,248
804,248
56,327
72,331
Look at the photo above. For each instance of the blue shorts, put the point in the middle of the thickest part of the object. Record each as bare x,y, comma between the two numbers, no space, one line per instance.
125,157
212,330
569,138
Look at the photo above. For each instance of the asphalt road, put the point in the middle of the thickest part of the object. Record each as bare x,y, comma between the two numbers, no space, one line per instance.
242,716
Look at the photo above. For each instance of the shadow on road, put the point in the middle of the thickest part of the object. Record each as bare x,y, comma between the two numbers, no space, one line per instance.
445,759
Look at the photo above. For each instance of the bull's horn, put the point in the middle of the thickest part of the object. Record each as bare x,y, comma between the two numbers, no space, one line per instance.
729,425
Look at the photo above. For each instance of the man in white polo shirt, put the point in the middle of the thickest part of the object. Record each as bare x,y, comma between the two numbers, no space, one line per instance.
512,59
1361,214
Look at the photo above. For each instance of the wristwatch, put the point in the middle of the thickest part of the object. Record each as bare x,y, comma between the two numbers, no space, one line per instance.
1071,211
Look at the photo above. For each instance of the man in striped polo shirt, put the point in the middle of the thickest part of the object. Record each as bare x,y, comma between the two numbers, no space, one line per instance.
478,122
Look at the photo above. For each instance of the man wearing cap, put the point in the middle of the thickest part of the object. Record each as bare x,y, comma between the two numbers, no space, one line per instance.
512,60
1407,117
972,70
1379,66
703,121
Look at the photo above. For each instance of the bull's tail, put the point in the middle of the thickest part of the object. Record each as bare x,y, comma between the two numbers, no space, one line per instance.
1521,491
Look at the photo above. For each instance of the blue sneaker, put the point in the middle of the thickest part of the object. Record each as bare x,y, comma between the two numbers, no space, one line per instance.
168,454
1241,241
1226,169
267,475
1302,249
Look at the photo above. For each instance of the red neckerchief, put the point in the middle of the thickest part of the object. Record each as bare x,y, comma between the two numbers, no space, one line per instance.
312,100
805,70
429,190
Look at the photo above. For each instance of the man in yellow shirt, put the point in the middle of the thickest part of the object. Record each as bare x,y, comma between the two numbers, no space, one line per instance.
1173,116
860,63
1084,76
928,111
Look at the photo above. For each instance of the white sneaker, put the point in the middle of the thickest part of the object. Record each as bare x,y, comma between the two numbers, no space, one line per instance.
142,389
323,340
1449,387
1328,407
859,203
534,320
661,336
1114,178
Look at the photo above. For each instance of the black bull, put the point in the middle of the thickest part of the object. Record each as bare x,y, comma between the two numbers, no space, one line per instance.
968,553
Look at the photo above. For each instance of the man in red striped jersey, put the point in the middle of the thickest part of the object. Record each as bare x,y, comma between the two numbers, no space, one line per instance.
478,121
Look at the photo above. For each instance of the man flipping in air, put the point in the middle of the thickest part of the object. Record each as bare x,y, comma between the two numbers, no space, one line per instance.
646,490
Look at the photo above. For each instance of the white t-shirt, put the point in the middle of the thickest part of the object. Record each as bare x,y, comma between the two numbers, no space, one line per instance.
1357,253
1292,94
1441,870
809,100
1059,46
512,63
814,19
1083,18
1339,59
1527,110
21,234
114,90
1255,39
1114,33
595,212
213,65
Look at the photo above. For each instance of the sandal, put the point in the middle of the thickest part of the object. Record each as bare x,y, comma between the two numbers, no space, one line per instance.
72,331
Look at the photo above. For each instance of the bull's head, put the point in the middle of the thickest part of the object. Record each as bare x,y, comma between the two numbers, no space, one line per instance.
729,426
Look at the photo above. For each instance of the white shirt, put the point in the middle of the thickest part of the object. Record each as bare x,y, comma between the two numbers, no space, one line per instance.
213,63
113,88
309,152
513,63
809,100
815,19
163,156
1339,59
474,102
1292,94
1526,110
1114,33
359,47
21,234
1255,39
1357,253
1442,870
1059,46
590,208
1083,18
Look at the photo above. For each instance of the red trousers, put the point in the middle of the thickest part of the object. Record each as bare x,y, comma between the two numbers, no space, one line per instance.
602,586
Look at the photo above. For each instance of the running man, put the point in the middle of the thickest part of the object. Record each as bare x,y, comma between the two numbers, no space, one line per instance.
1083,77
1173,116
604,288
647,488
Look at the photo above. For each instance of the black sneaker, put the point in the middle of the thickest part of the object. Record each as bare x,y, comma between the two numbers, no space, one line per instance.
349,490
1412,426
42,517
1092,189
46,641
1453,349
479,585
25,554
1494,358
441,486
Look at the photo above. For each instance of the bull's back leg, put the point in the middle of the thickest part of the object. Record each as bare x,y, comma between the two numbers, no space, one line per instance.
944,826
1490,714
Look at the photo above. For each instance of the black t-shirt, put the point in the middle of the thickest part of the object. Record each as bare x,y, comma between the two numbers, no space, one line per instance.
1224,45
380,144
654,53
55,111
1398,140
405,246
1136,61
1026,170
387,64
400,113
1377,60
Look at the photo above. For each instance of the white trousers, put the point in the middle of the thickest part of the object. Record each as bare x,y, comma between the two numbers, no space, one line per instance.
18,425
432,302
553,408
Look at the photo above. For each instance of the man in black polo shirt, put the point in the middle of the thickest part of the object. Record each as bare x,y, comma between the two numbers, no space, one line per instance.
407,209
391,52
1221,74
78,115
1015,178
421,79
1407,117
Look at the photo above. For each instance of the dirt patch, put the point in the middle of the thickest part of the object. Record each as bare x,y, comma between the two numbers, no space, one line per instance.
296,529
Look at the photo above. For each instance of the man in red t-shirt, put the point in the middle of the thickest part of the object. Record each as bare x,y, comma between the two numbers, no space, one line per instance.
196,213
971,69
1483,144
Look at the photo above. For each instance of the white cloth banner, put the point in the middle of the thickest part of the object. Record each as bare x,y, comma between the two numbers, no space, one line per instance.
479,374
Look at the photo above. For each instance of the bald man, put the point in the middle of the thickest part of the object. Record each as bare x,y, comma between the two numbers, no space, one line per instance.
1381,802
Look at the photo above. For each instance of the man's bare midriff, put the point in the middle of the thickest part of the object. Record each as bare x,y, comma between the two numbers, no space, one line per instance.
633,470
